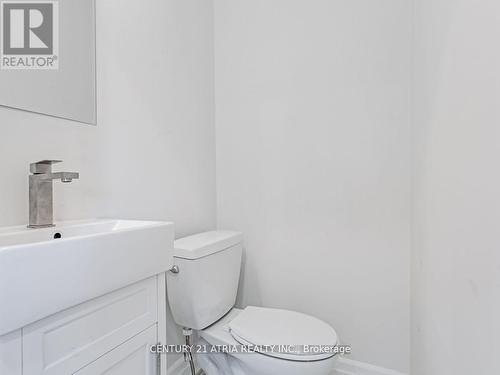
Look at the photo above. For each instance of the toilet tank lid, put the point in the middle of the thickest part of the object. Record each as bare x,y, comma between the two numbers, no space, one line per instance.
207,243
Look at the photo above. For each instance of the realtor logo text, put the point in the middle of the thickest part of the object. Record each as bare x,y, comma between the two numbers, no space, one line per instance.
29,35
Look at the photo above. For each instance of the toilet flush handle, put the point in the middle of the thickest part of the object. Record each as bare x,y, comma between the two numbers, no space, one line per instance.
174,269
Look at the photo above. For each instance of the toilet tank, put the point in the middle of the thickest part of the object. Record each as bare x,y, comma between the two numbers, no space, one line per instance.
205,288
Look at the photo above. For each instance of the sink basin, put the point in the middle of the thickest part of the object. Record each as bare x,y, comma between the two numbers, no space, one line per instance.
44,271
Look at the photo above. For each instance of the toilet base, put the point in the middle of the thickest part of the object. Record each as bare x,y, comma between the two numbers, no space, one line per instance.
259,364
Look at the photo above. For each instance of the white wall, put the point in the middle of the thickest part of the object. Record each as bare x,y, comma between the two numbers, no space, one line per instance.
152,154
456,258
312,122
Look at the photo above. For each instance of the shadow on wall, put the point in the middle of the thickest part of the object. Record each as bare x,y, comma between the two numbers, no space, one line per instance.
247,294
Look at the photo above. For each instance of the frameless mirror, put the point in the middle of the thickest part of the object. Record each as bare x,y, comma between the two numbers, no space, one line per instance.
47,57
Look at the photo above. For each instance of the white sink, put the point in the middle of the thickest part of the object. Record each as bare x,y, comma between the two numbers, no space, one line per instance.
41,274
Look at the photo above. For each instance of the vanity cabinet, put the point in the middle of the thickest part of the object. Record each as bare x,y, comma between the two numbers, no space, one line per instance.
111,334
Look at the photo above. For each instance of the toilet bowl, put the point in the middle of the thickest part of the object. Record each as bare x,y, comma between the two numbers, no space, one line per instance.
272,362
251,341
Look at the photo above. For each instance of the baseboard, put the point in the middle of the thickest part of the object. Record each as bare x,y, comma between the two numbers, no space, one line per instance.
344,366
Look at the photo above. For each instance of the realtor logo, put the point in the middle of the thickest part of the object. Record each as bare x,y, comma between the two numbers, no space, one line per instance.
29,35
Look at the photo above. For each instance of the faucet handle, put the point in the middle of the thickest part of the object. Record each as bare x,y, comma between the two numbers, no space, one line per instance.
43,166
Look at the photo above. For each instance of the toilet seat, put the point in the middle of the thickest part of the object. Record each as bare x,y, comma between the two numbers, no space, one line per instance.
284,334
218,334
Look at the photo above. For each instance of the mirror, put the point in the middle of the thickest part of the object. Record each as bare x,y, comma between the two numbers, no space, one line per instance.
47,57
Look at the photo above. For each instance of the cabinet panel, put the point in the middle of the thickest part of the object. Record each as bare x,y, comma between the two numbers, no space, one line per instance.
65,342
131,358
11,354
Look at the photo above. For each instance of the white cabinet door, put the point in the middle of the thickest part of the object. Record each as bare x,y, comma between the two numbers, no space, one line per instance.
131,358
67,341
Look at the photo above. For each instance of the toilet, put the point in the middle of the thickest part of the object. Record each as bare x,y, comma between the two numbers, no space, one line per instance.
261,341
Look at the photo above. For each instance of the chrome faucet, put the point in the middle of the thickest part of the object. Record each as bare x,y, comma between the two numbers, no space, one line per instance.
41,192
